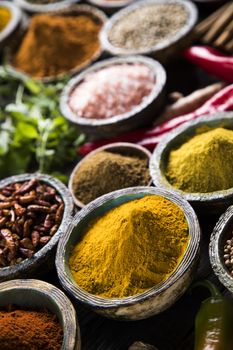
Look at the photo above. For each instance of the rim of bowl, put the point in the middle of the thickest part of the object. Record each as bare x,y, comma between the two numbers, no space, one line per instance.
159,178
109,146
191,20
77,10
214,249
68,202
160,81
16,15
71,331
110,303
34,7
110,4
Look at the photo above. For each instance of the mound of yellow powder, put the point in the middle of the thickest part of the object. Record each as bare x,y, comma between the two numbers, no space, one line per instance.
204,163
131,248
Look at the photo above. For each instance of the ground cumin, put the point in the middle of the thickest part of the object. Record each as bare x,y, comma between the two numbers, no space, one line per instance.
29,330
105,172
56,44
204,163
131,248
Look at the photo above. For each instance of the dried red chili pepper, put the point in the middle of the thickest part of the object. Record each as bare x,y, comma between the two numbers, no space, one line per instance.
149,137
212,61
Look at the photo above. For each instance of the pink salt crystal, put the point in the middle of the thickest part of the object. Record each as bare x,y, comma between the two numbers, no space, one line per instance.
112,91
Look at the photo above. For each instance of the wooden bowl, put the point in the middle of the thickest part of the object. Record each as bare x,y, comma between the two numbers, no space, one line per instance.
98,15
213,202
110,6
164,49
222,231
154,300
35,294
12,25
123,148
141,115
35,8
43,260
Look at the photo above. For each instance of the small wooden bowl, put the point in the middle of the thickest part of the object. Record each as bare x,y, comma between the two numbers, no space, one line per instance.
123,148
35,294
110,6
222,231
43,260
91,11
141,115
35,8
164,49
213,202
146,304
12,25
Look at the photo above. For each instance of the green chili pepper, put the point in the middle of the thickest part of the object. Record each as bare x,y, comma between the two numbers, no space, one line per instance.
214,321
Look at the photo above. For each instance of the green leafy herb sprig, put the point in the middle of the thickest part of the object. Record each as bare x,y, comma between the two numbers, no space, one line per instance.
34,136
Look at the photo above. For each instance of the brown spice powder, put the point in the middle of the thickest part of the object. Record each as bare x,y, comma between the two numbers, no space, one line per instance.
105,172
56,44
34,330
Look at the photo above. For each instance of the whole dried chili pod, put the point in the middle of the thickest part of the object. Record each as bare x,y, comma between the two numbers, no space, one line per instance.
214,320
212,61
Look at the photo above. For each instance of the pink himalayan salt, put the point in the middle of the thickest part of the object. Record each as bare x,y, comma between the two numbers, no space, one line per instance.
112,91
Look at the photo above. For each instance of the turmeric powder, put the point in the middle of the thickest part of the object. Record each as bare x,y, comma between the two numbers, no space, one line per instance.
130,248
5,16
55,44
204,163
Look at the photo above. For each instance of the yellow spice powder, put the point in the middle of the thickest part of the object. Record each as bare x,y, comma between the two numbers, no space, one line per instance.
204,163
5,16
131,248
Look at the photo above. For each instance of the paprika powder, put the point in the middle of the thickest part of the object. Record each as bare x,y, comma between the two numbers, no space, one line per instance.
34,330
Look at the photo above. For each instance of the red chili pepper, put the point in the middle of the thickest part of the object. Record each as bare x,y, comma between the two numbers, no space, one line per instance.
212,61
150,137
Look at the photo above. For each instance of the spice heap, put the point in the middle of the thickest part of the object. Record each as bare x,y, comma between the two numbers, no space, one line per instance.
5,16
34,330
228,255
105,172
131,248
112,91
204,163
57,44
148,26
30,214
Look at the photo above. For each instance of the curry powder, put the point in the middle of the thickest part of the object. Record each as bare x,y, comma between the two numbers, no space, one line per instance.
5,16
131,248
204,163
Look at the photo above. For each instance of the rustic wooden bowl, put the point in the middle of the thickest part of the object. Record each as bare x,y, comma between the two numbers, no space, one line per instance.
98,15
163,50
35,8
43,260
222,231
12,25
35,294
213,202
110,6
141,115
123,148
139,306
